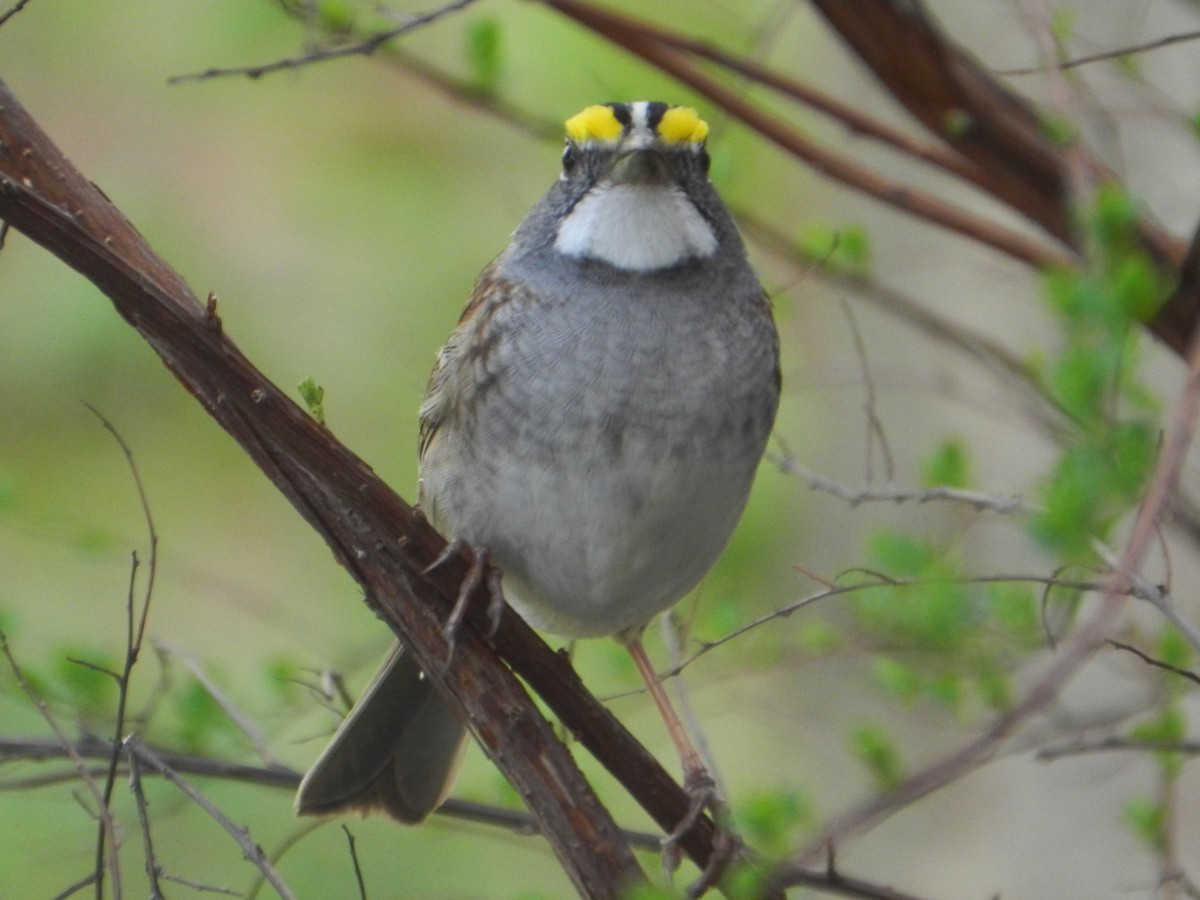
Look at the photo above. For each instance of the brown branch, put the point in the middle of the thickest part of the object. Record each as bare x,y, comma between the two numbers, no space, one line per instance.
373,533
636,37
1001,136
852,117
960,103
271,775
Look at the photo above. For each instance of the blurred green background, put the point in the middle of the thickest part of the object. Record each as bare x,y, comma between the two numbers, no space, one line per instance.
340,213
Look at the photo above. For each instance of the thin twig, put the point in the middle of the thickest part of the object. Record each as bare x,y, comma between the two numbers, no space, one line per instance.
1157,663
139,796
16,8
250,850
76,887
1081,746
1004,504
202,888
878,581
1131,50
135,630
875,429
82,771
235,715
517,821
358,873
365,47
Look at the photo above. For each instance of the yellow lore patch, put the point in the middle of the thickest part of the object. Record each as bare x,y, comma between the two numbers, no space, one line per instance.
682,125
596,123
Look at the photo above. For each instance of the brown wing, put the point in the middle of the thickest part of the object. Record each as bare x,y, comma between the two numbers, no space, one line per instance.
453,377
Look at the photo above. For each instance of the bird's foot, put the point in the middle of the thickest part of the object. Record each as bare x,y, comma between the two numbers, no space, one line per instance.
702,791
478,571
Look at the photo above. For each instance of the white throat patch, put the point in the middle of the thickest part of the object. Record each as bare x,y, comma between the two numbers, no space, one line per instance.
636,227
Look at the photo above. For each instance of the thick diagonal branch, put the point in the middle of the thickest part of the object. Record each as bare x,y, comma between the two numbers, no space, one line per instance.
373,533
962,104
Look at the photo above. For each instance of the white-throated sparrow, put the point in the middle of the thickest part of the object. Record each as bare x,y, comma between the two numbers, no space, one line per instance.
594,423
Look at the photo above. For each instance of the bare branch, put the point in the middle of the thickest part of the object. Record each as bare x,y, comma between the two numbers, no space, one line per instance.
82,772
364,47
250,850
1157,663
135,630
242,721
16,8
960,103
1112,744
1004,504
632,35
139,796
362,888
1121,52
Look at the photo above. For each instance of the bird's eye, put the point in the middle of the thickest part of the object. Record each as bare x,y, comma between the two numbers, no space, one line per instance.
569,158
704,161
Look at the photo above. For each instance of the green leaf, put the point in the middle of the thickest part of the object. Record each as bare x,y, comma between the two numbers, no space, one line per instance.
1173,648
201,717
1138,287
483,54
746,881
770,820
336,16
1114,219
88,689
1130,64
946,690
994,686
283,677
840,248
901,555
1148,822
817,635
874,747
1015,607
1058,129
899,680
934,615
1170,727
1062,23
948,466
314,398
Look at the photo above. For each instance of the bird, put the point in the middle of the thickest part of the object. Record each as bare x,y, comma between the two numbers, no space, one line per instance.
592,426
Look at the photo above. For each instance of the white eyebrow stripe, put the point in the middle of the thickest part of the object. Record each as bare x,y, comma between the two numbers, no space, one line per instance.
639,112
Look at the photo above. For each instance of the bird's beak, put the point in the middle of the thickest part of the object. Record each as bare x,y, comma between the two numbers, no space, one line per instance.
642,166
